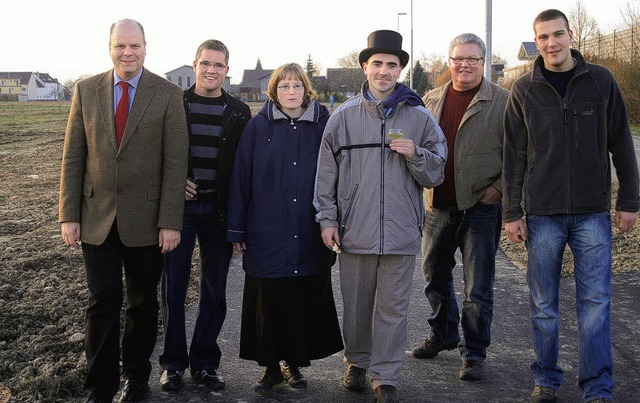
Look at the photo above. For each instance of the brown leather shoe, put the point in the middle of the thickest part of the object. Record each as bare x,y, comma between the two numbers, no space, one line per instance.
292,375
385,394
471,370
355,378
430,348
543,394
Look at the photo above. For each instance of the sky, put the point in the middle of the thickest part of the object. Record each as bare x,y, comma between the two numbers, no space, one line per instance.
69,38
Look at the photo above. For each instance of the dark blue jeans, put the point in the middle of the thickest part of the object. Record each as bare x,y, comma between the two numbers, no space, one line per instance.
476,232
201,220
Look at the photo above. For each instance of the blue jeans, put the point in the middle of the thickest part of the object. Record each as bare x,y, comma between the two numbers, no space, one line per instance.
589,237
476,232
201,220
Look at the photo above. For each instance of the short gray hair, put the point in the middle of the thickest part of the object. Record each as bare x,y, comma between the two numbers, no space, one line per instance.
467,38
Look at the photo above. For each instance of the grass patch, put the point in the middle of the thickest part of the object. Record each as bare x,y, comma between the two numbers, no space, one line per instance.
31,114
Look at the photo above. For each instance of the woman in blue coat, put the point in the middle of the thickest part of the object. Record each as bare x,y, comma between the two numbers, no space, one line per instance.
288,311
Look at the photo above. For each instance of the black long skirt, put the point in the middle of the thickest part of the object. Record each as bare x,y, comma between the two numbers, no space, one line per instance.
291,318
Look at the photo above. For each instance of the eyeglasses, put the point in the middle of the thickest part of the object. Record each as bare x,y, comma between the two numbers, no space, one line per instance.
286,87
216,66
472,61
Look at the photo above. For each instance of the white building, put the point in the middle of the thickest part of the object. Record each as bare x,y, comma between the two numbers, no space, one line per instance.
30,86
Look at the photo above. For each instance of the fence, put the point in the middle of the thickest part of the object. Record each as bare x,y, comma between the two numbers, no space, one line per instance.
622,46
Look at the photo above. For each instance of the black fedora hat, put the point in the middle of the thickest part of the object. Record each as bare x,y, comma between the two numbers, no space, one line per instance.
384,41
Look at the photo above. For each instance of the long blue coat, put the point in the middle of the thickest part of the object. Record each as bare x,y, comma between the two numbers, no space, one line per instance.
271,195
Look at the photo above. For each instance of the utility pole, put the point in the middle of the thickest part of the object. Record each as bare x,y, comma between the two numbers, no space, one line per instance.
488,70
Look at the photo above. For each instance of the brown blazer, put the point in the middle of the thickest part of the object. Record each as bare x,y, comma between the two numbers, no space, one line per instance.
142,183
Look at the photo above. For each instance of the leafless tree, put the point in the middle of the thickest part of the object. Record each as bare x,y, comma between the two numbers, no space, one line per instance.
497,59
434,65
582,24
630,15
350,60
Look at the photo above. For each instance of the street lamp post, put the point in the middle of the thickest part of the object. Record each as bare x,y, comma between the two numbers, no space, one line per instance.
399,14
411,54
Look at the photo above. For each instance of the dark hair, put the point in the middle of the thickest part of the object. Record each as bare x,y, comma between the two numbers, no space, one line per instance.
291,71
213,44
468,38
548,15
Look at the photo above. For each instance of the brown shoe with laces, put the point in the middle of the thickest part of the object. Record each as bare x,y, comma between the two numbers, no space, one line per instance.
543,394
355,378
292,375
471,370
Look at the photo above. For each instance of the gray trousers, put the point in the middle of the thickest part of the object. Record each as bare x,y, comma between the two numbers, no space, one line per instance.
375,294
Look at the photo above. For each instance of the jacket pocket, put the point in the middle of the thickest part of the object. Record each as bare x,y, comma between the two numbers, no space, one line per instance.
87,189
418,210
347,212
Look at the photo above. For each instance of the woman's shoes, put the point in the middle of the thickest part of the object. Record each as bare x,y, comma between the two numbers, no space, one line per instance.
292,375
272,376
276,375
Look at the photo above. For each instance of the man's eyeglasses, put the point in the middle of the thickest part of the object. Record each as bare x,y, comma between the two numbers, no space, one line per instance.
216,66
286,87
472,61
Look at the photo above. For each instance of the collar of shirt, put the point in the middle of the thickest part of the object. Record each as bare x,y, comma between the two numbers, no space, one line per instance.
117,91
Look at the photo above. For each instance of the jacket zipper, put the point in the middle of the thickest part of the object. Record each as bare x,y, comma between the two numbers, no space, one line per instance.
382,144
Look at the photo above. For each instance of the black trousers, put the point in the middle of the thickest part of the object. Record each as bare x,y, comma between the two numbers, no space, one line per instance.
103,267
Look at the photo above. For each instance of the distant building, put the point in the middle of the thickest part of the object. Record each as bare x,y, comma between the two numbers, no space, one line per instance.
344,82
185,77
30,86
528,51
527,54
253,87
497,72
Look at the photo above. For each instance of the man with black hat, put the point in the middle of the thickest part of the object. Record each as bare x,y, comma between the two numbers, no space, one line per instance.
369,203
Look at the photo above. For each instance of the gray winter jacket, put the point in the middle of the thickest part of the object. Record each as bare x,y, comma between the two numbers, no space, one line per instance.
371,193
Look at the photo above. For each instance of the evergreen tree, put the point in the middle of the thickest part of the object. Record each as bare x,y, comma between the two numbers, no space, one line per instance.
258,65
310,68
421,82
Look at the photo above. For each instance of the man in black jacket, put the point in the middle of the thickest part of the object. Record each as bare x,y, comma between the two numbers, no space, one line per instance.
215,121
562,121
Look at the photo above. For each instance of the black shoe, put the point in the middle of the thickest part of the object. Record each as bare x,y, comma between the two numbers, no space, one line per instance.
134,391
471,370
292,375
430,348
209,378
171,380
385,394
272,377
543,394
355,378
94,400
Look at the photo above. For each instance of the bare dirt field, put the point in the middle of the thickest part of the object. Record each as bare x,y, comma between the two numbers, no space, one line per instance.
42,286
